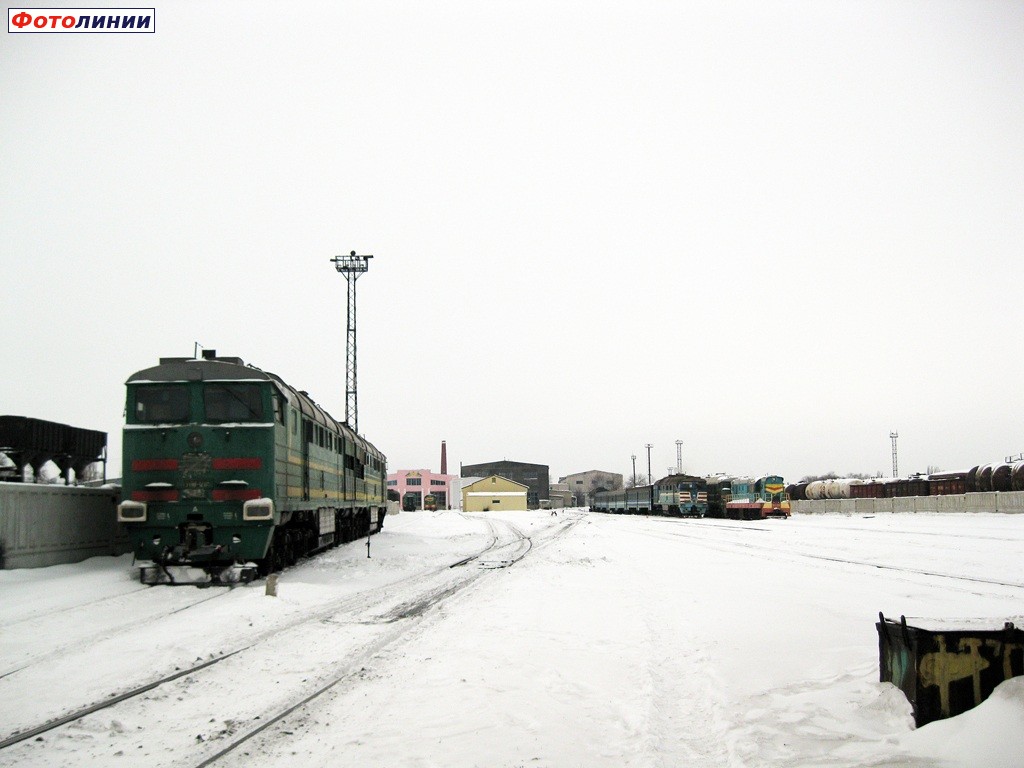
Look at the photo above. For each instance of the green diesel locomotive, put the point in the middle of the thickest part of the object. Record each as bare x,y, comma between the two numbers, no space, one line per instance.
230,472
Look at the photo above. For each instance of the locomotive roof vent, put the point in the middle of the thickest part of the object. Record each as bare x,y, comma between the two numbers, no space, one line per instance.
209,355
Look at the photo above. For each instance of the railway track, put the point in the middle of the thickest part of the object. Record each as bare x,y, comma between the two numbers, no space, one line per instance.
50,613
133,614
507,545
519,546
905,531
78,715
777,549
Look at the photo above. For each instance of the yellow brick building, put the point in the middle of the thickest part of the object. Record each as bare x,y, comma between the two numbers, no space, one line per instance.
493,494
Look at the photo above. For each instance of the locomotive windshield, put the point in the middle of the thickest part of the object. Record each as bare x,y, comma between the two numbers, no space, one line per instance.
233,402
161,404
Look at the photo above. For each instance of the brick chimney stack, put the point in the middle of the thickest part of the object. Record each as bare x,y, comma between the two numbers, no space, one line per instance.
444,458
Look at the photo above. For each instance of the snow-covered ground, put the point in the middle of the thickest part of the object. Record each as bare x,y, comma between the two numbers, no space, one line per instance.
614,641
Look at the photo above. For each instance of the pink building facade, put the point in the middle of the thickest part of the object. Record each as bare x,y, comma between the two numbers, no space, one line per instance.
415,486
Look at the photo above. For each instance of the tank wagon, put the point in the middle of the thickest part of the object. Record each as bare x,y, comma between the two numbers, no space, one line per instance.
980,479
230,472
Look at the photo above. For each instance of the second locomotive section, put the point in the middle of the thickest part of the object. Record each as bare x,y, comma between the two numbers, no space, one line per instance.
226,466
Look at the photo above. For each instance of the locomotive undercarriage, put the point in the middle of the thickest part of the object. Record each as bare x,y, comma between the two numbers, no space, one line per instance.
301,536
196,560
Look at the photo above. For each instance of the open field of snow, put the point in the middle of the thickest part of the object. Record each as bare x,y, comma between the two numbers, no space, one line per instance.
572,640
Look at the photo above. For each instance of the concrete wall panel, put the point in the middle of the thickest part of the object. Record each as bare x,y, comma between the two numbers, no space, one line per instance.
1010,502
44,525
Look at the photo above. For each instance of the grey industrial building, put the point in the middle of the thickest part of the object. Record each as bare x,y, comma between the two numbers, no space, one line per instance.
533,476
585,484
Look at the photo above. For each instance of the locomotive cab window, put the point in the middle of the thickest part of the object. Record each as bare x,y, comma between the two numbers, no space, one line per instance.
233,402
161,404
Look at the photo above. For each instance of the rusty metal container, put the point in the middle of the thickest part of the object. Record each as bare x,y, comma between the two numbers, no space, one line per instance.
944,669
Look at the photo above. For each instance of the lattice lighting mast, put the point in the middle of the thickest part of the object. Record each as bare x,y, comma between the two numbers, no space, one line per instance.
893,435
679,456
351,266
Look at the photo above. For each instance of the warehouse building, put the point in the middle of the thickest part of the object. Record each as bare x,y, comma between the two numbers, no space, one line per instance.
585,484
534,476
560,496
493,494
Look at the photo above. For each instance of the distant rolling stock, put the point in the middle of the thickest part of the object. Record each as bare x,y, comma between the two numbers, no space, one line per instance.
681,495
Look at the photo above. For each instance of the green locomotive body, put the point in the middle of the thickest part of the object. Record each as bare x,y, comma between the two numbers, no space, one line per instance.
229,471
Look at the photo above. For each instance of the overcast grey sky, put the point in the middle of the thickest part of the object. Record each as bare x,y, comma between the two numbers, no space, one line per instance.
776,231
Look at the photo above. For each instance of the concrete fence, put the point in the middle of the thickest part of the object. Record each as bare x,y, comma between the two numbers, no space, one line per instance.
51,524
963,502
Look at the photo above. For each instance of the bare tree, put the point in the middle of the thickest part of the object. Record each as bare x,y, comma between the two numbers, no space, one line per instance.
638,480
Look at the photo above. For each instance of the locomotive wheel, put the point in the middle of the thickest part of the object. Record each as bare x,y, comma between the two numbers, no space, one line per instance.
272,563
294,548
263,566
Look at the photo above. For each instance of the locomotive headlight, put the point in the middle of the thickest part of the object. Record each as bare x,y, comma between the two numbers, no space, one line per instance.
131,512
258,509
156,541
236,539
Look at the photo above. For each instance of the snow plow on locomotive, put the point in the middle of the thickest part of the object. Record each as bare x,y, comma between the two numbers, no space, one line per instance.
230,473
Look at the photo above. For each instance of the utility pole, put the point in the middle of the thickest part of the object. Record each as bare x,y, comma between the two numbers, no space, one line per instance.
650,477
893,435
634,468
351,267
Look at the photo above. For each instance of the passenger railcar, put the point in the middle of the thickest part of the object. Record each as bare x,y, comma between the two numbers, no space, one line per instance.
625,501
229,471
